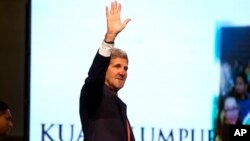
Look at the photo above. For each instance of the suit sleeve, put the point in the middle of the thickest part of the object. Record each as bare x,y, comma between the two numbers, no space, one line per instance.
91,92
100,64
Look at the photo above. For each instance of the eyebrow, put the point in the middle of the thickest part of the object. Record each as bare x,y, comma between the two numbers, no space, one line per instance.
119,65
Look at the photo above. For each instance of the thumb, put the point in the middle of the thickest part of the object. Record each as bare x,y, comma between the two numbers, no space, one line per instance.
126,22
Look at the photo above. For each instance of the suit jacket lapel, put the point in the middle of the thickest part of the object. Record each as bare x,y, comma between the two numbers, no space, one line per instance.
123,110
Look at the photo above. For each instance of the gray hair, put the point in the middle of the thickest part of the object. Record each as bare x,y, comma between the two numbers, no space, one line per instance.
118,53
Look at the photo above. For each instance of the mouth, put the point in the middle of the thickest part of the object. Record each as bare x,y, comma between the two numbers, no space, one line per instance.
121,79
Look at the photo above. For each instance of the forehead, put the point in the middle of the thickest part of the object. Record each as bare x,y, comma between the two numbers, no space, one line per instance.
239,78
230,102
123,61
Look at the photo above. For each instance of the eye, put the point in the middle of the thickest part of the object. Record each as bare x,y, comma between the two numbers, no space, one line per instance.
126,68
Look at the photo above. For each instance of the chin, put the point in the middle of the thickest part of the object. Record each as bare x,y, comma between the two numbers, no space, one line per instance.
119,87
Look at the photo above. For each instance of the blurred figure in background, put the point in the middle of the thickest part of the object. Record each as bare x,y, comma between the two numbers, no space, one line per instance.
242,95
247,71
237,68
229,115
5,120
226,79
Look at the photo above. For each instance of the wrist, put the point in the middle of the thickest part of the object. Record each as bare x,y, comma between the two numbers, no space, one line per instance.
109,42
110,38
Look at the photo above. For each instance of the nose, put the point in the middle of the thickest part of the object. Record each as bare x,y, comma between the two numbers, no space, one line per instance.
123,71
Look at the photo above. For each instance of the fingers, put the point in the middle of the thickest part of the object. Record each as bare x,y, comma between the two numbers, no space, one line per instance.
119,8
112,8
115,7
113,16
107,11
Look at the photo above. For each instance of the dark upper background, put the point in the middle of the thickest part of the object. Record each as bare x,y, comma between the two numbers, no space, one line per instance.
12,62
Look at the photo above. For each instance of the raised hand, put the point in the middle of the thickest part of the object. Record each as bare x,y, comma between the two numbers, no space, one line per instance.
114,24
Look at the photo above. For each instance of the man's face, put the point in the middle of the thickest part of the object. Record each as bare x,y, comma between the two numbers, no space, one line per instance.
5,123
116,73
240,86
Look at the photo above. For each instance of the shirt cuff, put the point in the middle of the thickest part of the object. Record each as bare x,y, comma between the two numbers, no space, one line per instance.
105,49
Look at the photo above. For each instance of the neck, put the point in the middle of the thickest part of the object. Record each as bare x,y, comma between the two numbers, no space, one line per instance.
113,91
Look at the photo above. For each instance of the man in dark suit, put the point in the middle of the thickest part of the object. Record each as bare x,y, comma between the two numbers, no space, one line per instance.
103,114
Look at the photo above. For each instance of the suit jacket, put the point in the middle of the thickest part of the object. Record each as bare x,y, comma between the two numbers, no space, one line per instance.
103,114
